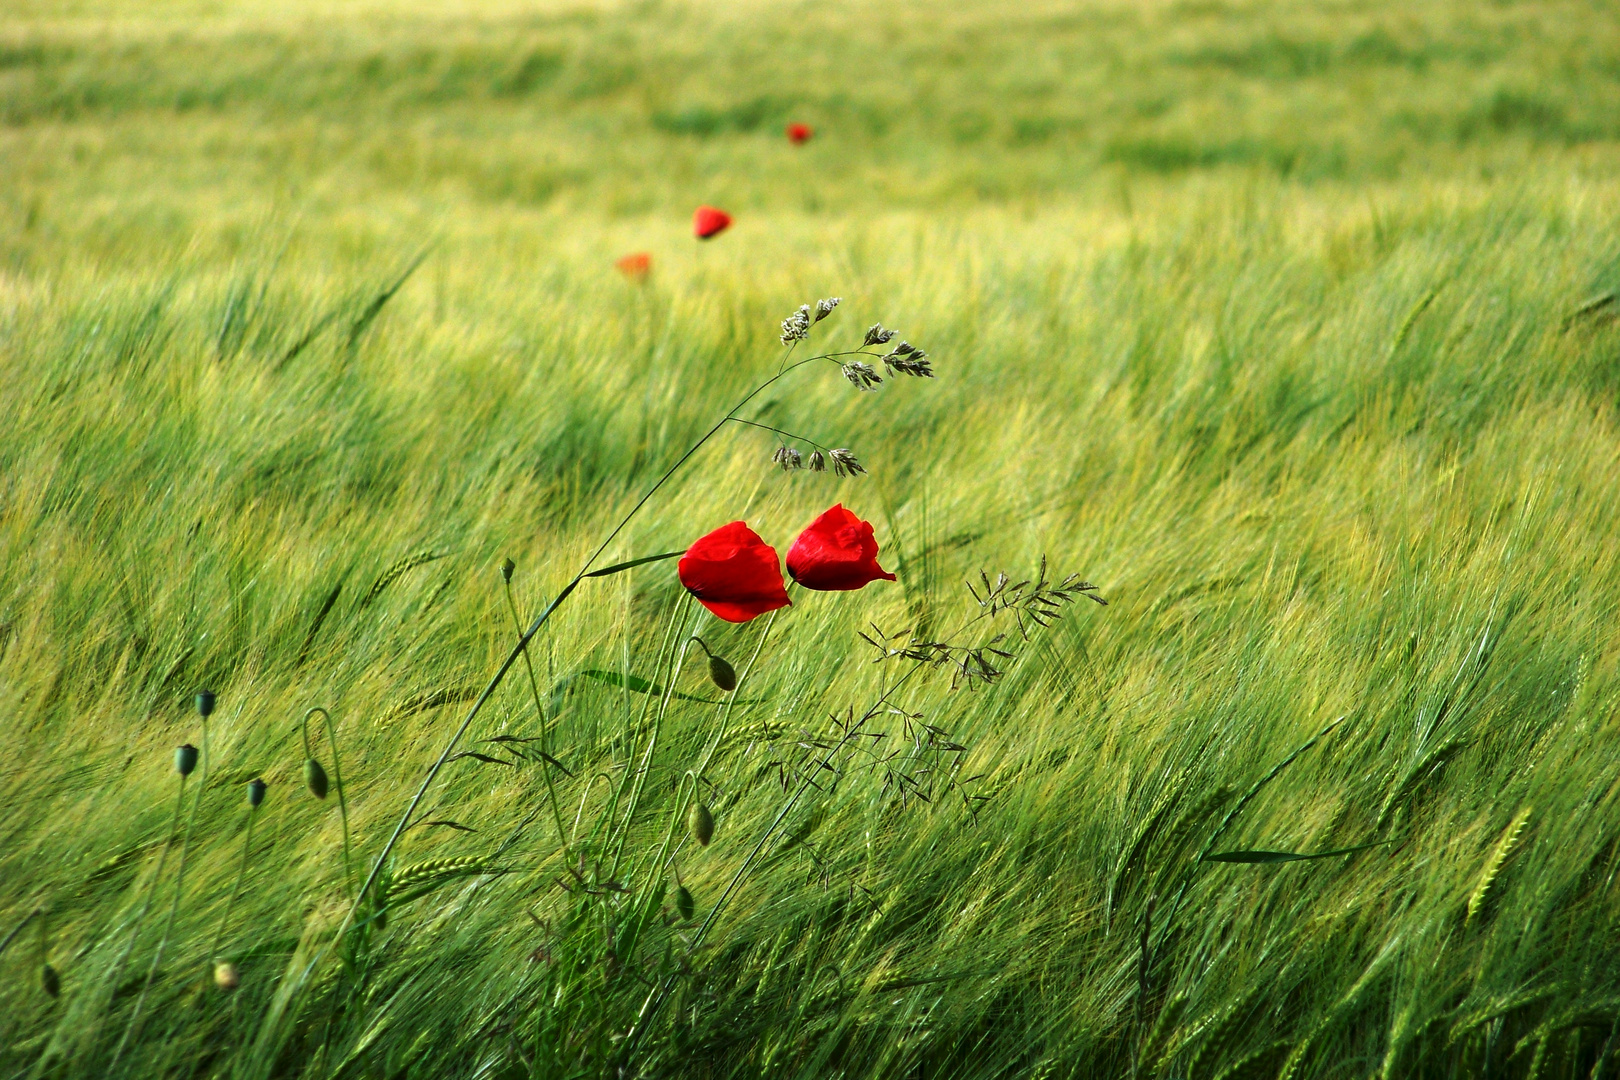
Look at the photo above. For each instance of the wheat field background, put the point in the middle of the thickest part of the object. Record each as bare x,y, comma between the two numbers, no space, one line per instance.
1285,324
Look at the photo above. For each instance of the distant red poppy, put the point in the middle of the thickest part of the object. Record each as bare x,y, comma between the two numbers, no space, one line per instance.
733,573
799,133
836,552
708,221
635,265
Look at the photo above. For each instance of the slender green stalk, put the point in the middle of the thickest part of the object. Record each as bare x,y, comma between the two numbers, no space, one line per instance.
129,947
545,727
241,873
337,781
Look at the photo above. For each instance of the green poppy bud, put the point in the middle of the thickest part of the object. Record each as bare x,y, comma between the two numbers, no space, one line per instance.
507,566
226,977
315,778
701,822
50,981
185,759
256,790
722,673
683,901
205,702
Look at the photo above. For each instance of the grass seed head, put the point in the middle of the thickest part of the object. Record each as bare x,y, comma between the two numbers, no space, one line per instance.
226,977
877,334
683,901
315,778
256,790
50,981
862,376
844,463
701,822
185,759
796,327
824,307
818,461
788,458
205,702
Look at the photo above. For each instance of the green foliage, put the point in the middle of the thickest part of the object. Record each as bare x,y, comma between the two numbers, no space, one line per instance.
1284,324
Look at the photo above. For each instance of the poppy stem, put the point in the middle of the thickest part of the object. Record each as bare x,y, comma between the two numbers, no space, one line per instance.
337,779
521,647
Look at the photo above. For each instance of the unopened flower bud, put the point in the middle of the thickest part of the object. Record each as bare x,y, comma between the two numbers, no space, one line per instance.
50,981
507,566
256,790
185,759
315,778
205,702
683,901
701,822
226,977
722,674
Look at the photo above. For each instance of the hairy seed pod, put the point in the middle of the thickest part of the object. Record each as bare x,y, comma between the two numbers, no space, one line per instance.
226,977
722,673
50,981
205,702
507,566
185,759
256,790
701,822
315,778
683,901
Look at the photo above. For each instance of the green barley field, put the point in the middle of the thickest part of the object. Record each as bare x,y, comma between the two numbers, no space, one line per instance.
1289,327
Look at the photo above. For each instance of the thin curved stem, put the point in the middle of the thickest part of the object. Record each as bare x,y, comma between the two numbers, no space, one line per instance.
241,872
337,778
534,687
779,431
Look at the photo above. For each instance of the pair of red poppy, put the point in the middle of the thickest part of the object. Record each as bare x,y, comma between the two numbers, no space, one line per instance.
734,573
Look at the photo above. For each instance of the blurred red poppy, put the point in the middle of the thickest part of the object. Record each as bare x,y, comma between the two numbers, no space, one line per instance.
708,221
733,573
836,552
635,265
799,133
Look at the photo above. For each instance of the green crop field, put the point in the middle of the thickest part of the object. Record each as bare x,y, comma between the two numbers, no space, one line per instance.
1288,327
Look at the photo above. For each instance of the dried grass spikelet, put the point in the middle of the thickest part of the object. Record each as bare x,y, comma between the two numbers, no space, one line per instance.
701,823
1498,858
788,458
877,335
862,376
818,461
796,327
824,307
845,463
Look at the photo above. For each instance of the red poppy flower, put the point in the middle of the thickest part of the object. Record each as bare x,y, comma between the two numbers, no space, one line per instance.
799,133
708,221
635,265
836,552
733,573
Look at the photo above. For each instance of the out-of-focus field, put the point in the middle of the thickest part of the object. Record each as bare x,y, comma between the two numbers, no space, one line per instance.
1283,323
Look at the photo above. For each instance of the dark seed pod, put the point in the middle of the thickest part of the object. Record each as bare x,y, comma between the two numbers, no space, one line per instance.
205,702
683,901
185,759
256,790
722,674
226,977
701,822
507,566
315,778
50,981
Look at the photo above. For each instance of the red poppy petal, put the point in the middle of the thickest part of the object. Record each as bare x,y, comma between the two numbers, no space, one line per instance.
708,221
836,552
733,573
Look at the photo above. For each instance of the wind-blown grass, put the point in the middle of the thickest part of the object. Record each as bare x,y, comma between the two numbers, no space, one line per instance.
1330,422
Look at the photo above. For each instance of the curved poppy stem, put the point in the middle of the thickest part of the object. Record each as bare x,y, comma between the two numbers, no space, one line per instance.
521,648
337,778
